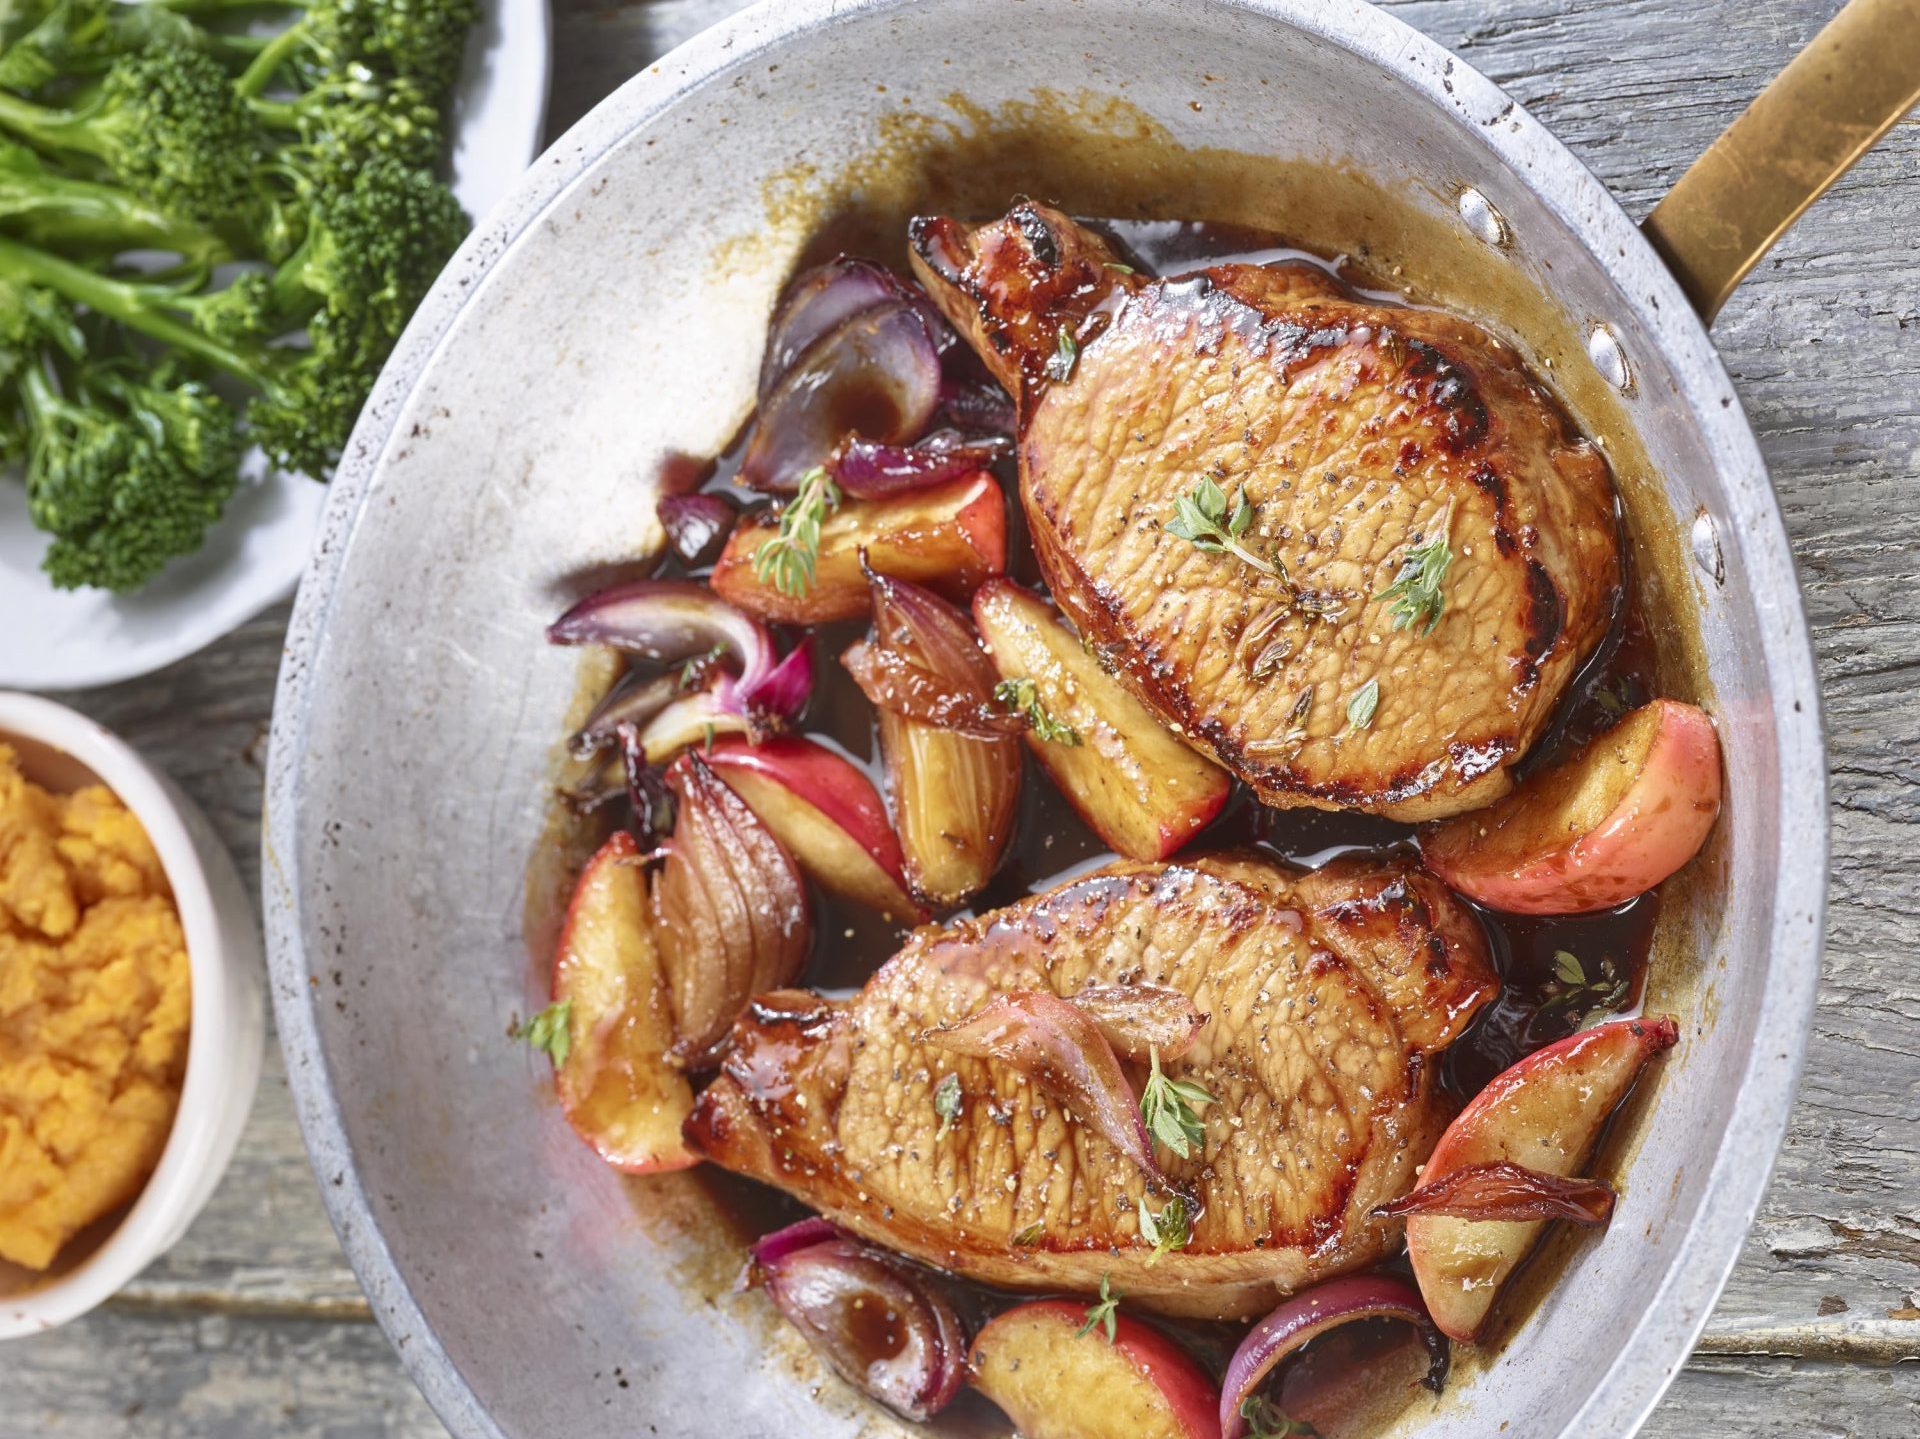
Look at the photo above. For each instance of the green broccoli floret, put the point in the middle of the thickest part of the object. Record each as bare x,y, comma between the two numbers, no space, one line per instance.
166,121
43,42
420,41
371,252
126,476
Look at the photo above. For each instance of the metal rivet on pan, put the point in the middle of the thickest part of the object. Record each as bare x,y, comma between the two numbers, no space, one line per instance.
1604,349
1706,547
1486,222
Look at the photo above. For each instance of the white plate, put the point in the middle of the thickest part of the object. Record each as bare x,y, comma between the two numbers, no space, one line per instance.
54,639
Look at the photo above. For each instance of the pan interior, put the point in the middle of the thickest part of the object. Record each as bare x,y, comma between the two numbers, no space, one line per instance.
540,1293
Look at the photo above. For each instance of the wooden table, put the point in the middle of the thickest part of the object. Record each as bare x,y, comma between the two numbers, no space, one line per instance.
253,1326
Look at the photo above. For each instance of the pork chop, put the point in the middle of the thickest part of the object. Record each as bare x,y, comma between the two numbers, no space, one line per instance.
1327,996
1357,431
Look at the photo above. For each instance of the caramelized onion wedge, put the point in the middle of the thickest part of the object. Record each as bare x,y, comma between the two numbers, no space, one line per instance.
770,1249
731,899
954,795
875,374
824,297
870,470
632,702
1504,1190
1308,1315
1062,1051
1137,1019
882,1326
892,681
697,525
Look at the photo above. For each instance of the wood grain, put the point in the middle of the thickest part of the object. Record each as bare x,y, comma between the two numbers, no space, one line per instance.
253,1325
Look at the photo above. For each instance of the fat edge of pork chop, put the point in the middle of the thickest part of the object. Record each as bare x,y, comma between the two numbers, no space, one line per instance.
1356,431
1328,996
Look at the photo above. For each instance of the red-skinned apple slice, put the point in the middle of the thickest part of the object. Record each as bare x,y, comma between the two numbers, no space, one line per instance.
1056,1383
1142,790
616,1086
826,812
1595,830
1545,1114
948,537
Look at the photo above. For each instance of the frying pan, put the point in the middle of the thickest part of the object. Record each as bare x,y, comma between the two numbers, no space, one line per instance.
610,314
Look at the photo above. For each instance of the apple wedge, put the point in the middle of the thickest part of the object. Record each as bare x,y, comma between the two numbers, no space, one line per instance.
1544,1114
948,537
616,1087
1139,788
826,812
1597,829
1056,1383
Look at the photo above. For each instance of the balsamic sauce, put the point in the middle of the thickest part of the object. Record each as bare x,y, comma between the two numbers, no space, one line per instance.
1555,972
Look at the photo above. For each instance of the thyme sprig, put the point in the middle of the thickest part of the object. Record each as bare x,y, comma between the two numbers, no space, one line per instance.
1203,519
1103,1314
1170,1229
787,560
1415,592
947,1103
1169,1108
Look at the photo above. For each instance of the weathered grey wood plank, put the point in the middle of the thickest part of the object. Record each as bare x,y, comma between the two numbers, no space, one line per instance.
121,1375
1824,343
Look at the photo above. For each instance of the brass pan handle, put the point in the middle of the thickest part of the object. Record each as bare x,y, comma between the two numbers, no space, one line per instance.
1843,92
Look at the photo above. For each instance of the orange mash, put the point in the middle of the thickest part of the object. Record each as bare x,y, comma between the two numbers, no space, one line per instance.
94,1005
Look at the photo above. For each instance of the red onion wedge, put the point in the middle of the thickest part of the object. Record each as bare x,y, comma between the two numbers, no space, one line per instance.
1308,1315
1137,1019
869,470
1061,1050
770,1249
876,374
829,295
733,900
1507,1191
978,405
599,782
665,620
882,1326
648,797
633,701
697,526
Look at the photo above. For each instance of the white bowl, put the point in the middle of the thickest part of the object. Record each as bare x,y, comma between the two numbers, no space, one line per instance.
66,639
64,750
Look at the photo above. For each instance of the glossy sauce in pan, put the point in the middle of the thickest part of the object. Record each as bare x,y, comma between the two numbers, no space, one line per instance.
1542,1000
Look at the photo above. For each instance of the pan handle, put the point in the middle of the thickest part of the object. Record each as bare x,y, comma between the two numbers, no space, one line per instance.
1820,114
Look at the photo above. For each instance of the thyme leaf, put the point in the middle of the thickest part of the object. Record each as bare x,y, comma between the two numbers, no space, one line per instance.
947,1103
1416,591
1170,1229
1066,354
1021,696
550,1031
1362,704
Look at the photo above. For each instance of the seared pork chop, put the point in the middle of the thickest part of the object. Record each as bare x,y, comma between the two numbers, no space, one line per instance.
1357,431
1327,996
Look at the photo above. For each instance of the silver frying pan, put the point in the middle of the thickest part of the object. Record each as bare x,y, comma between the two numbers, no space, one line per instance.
611,313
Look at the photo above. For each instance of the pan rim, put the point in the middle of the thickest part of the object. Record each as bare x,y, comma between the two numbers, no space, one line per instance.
1681,1305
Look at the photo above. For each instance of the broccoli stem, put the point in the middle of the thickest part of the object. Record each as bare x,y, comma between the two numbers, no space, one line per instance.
67,214
133,306
52,129
276,52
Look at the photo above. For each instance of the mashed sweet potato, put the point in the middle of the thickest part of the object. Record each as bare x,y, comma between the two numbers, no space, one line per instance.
94,1006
